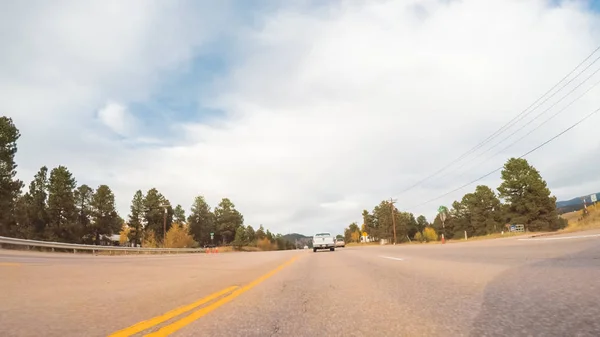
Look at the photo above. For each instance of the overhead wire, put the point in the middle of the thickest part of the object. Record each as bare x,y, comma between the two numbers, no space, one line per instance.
522,156
510,123
531,121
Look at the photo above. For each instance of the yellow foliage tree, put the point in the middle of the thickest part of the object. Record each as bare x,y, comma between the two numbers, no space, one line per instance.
178,236
419,237
264,244
429,234
149,240
355,236
123,235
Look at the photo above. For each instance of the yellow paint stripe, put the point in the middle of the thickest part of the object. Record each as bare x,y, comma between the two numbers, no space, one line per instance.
9,264
177,325
141,326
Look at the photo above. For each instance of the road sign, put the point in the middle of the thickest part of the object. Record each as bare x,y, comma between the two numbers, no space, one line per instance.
212,235
593,197
442,211
364,233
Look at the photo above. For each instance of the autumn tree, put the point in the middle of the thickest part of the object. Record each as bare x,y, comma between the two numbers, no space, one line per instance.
124,234
179,237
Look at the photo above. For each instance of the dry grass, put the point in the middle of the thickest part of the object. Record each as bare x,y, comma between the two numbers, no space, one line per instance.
578,223
490,236
356,244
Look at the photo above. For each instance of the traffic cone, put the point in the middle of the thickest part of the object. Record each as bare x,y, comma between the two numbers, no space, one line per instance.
216,250
207,250
443,239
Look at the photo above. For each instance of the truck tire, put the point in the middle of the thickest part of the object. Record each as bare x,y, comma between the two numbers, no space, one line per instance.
314,250
332,249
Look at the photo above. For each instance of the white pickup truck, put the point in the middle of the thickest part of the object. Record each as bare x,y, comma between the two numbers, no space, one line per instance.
323,241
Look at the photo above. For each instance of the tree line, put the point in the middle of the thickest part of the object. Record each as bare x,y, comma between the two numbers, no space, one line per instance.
55,208
523,198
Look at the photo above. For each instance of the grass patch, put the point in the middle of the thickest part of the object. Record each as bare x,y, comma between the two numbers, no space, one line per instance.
490,236
356,244
579,223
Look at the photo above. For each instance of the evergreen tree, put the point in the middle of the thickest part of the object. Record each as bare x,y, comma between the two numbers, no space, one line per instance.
201,221
105,220
62,213
10,187
528,197
136,219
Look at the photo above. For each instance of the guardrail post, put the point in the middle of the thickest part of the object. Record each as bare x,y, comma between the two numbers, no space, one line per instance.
74,250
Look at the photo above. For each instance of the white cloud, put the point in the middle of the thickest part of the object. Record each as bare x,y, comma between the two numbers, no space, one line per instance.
328,110
116,117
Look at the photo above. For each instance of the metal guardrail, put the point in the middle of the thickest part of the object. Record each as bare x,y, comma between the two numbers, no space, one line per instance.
75,247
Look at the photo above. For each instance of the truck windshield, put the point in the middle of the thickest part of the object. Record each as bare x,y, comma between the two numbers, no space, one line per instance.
323,234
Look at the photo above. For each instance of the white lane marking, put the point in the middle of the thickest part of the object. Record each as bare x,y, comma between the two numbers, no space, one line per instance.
562,237
392,258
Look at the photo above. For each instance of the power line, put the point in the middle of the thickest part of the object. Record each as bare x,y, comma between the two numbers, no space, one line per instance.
511,122
498,169
531,121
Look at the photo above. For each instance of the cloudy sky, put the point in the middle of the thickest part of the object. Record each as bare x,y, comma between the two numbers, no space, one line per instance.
304,113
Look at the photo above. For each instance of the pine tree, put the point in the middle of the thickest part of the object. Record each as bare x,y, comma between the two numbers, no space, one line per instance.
202,221
528,197
105,220
10,187
228,219
62,213
179,215
83,198
156,209
136,219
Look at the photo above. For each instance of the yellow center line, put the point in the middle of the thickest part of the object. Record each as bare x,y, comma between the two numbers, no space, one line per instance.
177,325
9,264
141,326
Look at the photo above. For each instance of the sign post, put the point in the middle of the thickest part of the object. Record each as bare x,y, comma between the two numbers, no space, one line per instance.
442,211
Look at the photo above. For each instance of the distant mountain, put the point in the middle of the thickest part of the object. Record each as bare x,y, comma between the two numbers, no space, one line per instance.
575,204
299,240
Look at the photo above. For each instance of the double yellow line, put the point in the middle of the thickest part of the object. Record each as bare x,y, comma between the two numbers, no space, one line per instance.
224,296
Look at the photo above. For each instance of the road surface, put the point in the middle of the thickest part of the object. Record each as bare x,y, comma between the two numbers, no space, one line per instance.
547,286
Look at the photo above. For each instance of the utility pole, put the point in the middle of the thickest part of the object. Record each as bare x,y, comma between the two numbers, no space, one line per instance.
392,202
165,227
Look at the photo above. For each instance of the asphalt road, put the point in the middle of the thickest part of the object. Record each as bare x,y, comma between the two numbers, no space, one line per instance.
547,286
